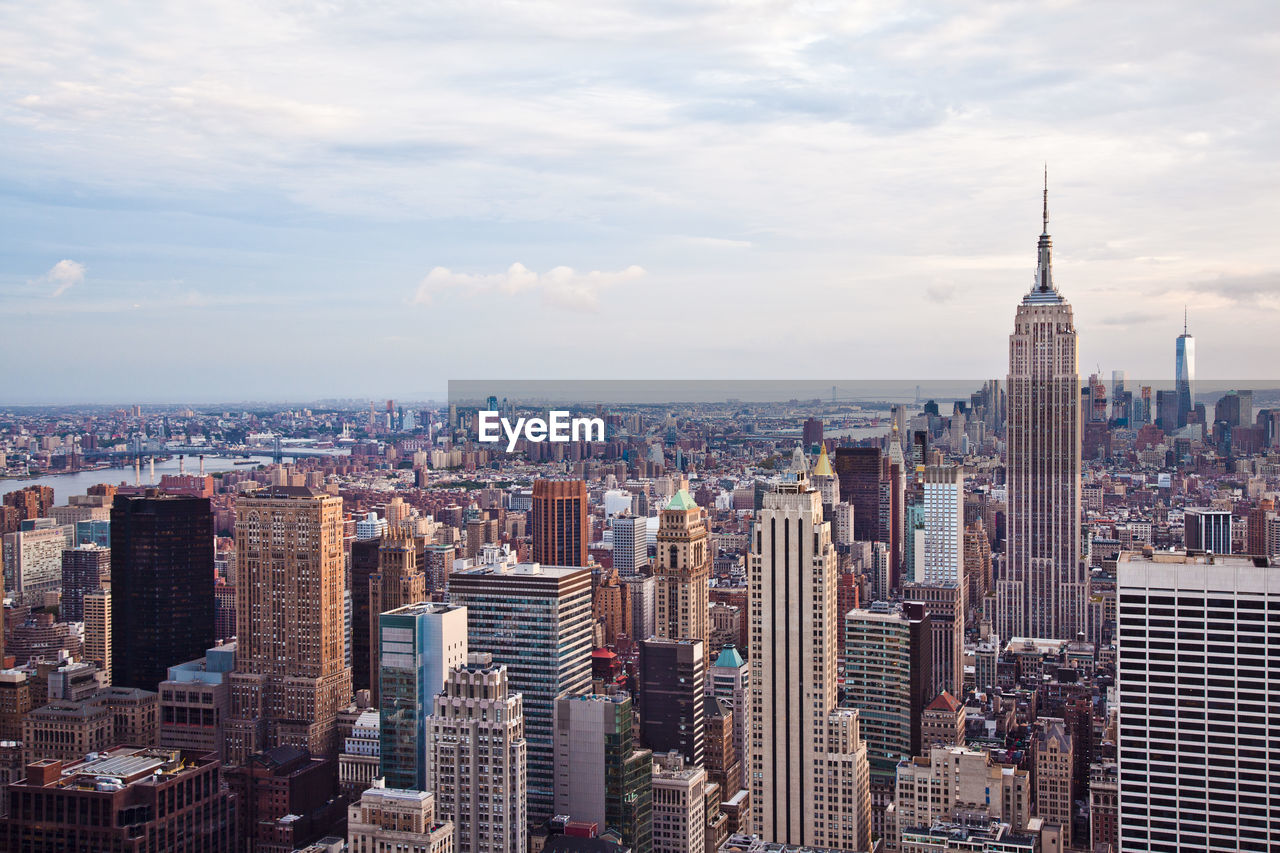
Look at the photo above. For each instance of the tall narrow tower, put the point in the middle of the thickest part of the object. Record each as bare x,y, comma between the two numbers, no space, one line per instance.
1185,372
682,572
810,781
1043,593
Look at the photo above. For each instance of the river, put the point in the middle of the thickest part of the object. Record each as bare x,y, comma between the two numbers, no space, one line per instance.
77,483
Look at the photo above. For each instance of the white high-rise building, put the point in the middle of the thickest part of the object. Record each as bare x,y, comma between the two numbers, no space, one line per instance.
1043,593
810,781
943,526
371,527
476,745
630,545
1197,674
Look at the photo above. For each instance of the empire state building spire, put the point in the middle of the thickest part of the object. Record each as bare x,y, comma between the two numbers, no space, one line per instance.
1043,290
1044,264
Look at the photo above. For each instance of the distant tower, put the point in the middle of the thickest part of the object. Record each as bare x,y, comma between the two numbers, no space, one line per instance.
1042,595
1185,373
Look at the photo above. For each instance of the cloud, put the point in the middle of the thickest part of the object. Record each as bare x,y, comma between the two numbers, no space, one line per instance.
942,292
63,276
1130,318
560,285
1259,289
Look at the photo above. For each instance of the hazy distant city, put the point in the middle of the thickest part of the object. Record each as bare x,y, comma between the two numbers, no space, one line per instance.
708,427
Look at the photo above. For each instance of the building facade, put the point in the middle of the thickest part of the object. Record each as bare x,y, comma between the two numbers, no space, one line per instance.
561,522
600,775
1043,595
809,775
1195,677
670,689
419,644
291,676
479,757
161,586
536,621
682,571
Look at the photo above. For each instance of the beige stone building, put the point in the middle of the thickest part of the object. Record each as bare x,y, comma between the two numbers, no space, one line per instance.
358,761
679,805
66,730
477,763
97,630
1054,759
682,571
1042,593
954,780
810,781
391,819
291,678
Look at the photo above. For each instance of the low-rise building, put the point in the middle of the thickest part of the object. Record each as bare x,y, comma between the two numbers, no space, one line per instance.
125,800
396,819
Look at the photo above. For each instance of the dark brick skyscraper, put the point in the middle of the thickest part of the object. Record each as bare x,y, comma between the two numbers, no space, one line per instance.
560,522
161,586
859,470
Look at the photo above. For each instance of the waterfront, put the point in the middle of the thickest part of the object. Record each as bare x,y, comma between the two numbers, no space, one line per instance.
77,482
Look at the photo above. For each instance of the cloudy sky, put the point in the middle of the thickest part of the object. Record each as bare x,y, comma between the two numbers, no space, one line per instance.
231,201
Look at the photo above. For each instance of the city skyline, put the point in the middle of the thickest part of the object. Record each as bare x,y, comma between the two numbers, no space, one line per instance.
234,168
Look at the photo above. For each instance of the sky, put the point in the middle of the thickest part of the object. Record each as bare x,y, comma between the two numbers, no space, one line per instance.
237,201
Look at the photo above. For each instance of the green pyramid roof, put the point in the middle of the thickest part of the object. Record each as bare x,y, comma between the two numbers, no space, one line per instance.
682,500
729,657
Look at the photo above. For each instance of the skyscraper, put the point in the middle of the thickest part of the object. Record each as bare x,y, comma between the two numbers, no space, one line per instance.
477,756
728,680
600,774
1043,594
419,645
858,472
1207,530
630,545
887,677
161,586
536,621
97,630
809,773
398,582
670,690
1185,373
943,525
682,571
364,565
560,522
1198,746
291,678
83,569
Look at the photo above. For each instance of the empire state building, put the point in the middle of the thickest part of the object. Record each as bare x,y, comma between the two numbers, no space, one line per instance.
1042,593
